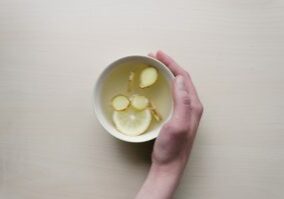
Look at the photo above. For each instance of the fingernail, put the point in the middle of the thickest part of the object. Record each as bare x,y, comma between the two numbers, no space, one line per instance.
180,82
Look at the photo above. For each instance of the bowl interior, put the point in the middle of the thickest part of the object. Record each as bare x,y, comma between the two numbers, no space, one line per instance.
99,98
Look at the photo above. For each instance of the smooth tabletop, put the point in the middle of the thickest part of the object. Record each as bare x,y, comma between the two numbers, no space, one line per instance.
52,52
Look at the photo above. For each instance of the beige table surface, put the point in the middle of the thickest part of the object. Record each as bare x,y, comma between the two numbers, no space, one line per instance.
52,51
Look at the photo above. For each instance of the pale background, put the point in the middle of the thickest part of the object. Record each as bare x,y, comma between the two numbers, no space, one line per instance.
52,51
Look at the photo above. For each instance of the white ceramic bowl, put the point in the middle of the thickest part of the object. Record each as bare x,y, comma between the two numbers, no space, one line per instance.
109,127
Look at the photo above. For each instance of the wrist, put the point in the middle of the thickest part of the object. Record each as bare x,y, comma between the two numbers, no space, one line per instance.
161,181
171,171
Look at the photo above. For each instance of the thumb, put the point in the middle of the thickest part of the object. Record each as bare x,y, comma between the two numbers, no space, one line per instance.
181,101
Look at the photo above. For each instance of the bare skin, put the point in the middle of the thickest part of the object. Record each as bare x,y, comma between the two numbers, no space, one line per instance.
173,145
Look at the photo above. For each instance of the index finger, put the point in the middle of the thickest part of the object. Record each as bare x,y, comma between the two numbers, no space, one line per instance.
177,70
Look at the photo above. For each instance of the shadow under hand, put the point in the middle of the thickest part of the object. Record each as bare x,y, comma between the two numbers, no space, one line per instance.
136,153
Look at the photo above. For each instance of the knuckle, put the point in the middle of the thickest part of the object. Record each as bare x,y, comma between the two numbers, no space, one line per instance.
185,73
197,107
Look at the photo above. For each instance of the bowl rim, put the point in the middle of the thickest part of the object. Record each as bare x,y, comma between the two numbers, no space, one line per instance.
97,100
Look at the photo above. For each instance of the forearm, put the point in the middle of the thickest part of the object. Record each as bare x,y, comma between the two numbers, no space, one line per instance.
161,182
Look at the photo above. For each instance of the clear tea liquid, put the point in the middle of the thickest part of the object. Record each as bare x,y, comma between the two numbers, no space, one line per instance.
116,82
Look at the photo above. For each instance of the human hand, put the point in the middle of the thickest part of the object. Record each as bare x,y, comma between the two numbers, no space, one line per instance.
173,145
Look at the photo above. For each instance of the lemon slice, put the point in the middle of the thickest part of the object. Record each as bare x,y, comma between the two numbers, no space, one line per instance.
132,122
